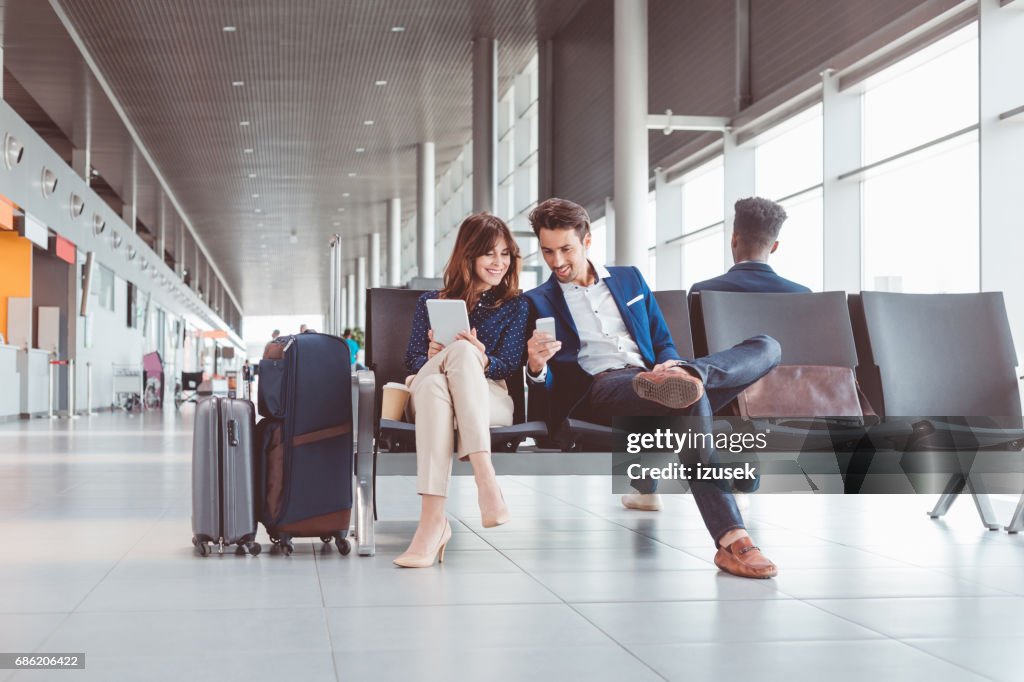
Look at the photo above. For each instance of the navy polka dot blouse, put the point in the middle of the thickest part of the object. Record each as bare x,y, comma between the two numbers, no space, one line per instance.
502,330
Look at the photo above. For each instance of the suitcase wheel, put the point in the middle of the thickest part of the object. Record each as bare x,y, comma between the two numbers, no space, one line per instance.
344,546
252,548
204,549
326,539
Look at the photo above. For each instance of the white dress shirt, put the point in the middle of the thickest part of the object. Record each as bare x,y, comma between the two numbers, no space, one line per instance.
605,343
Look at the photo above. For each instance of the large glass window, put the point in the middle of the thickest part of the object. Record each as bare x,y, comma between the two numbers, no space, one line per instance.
788,169
800,253
703,255
704,196
921,221
930,94
788,158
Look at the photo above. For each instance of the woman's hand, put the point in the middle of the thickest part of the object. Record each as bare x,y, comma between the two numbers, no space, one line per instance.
471,337
434,348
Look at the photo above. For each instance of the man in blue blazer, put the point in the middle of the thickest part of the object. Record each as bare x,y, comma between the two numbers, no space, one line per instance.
613,355
755,236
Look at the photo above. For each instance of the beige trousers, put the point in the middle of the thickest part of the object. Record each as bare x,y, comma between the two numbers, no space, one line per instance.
451,391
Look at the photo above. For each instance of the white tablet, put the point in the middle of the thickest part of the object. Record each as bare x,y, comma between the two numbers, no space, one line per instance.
448,317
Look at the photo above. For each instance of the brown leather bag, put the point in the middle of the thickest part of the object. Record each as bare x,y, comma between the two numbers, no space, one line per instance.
795,392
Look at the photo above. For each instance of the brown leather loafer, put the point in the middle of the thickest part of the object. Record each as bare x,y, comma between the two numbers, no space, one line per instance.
744,559
671,389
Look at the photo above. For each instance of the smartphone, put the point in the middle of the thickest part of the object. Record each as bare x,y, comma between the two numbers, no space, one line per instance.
546,325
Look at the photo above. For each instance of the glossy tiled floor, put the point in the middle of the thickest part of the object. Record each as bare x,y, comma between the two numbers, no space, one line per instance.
96,558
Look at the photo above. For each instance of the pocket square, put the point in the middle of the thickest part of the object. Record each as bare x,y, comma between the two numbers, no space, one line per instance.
640,297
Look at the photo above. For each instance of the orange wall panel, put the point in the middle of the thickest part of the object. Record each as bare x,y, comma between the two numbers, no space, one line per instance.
15,272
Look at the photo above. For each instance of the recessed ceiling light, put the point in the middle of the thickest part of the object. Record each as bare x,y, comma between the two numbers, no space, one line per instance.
252,175
259,210
238,84
230,29
368,122
260,225
397,29
263,246
255,196
360,150
341,210
351,175
336,223
380,83
247,151
344,194
243,123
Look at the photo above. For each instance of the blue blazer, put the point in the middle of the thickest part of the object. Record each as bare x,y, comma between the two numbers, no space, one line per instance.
751,277
566,381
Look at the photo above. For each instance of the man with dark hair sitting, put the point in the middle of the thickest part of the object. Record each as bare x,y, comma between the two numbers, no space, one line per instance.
612,355
755,235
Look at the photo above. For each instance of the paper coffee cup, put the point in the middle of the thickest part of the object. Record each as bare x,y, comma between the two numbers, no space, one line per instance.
395,397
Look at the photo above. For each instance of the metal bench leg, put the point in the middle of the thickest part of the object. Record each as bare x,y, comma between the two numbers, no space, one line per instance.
363,387
984,507
953,488
1017,522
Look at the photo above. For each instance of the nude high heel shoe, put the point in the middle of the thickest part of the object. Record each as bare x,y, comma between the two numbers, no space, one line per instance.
498,519
410,560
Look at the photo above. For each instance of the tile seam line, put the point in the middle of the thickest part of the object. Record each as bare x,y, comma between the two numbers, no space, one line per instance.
74,609
572,608
323,610
891,638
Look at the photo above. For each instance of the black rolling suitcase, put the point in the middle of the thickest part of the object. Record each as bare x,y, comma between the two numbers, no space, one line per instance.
304,479
223,503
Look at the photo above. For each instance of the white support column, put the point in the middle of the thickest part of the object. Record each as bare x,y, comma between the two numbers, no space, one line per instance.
669,218
1001,136
351,304
344,308
361,291
841,233
630,132
394,242
373,272
738,166
485,124
426,187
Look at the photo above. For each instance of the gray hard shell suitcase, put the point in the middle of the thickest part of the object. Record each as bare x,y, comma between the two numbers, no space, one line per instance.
223,503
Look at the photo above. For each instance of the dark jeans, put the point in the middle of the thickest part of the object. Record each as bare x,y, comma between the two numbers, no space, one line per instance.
725,376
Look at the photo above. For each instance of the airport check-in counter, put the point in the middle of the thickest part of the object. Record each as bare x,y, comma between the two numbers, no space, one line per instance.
34,370
10,383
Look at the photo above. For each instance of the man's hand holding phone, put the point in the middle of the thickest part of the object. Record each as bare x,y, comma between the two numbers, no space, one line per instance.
542,346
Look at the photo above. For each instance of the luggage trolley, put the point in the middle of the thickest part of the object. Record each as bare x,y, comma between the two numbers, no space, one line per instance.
127,380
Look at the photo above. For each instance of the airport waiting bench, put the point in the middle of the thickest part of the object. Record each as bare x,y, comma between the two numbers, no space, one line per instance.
869,332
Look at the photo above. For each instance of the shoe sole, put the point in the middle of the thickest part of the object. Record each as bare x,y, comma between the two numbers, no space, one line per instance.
672,392
767,576
645,507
